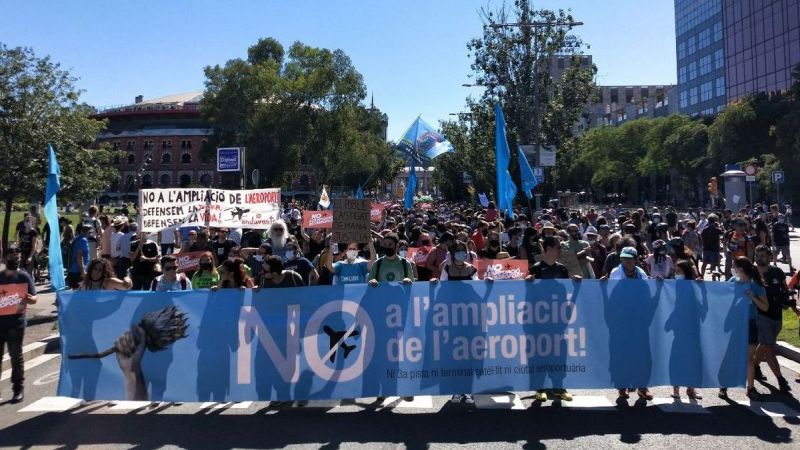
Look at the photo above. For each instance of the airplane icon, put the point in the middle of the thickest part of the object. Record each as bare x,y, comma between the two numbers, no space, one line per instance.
335,337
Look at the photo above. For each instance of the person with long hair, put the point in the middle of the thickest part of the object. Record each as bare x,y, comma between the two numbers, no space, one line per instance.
207,275
234,276
100,276
748,279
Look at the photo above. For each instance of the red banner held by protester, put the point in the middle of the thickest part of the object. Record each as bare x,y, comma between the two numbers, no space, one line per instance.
318,219
501,269
11,297
376,212
189,261
418,255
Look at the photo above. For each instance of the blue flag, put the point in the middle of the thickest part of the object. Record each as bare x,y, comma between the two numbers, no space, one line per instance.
51,214
506,189
529,181
483,199
360,193
423,143
411,185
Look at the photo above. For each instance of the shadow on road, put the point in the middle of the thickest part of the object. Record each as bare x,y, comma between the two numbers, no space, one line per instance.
146,429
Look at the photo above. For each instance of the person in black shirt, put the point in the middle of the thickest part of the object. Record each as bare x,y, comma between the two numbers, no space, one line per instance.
222,245
780,239
710,238
769,322
144,257
12,326
493,246
548,269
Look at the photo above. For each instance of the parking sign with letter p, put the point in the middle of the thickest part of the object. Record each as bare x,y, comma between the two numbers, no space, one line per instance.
777,177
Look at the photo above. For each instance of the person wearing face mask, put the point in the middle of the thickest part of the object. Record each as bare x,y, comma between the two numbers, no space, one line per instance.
390,267
207,275
749,285
235,253
575,252
12,326
780,239
493,246
659,263
515,242
597,251
170,280
438,255
352,269
295,261
253,257
402,251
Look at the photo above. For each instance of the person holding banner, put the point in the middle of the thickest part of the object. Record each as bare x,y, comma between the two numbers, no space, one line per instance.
17,291
352,269
100,276
273,275
234,276
296,262
390,267
170,280
206,276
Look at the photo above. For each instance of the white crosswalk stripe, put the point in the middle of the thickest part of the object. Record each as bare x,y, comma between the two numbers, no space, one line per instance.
421,402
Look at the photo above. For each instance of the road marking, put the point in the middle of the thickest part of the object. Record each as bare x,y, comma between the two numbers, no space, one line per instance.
769,409
128,405
52,404
498,401
789,364
230,405
39,360
34,346
671,405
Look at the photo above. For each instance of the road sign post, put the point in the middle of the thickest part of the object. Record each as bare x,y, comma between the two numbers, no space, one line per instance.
778,179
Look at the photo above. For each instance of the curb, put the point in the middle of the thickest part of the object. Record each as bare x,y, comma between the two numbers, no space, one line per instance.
788,351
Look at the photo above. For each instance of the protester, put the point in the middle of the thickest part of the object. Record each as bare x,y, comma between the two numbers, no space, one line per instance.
206,276
144,260
78,258
659,263
391,267
352,269
222,246
273,275
167,239
234,276
27,241
780,238
94,229
685,270
12,326
170,280
710,238
100,276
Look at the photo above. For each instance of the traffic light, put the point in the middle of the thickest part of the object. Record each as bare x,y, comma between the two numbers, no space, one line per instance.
712,186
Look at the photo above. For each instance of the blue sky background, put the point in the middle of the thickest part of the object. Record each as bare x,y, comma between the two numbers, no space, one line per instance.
412,53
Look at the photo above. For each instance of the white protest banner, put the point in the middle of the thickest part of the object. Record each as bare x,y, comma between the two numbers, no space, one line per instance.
160,209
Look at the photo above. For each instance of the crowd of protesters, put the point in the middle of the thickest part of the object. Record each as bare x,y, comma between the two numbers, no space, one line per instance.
609,242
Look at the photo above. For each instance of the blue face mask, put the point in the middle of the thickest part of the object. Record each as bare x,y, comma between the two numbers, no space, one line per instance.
460,256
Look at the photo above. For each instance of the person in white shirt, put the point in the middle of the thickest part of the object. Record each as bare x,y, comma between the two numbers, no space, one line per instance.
167,239
171,280
628,268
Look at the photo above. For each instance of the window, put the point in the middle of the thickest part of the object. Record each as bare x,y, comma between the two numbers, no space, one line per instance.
721,87
148,145
147,181
684,102
693,96
163,145
131,159
681,50
131,145
692,70
719,59
186,144
706,91
166,158
205,179
717,31
704,38
186,180
116,145
705,64
682,75
164,180
692,47
186,158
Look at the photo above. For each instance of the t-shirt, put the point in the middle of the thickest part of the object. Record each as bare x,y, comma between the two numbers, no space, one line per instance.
710,238
26,239
221,249
290,279
777,292
757,289
301,266
659,269
351,273
12,321
780,233
391,270
619,273
80,243
205,280
94,225
543,271
142,268
181,283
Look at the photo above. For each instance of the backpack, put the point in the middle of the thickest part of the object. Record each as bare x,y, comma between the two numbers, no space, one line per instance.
378,269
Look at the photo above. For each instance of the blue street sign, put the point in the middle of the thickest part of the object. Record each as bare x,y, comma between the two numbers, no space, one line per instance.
777,177
229,160
538,172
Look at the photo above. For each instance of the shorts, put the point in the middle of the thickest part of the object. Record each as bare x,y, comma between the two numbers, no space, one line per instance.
752,332
768,329
711,257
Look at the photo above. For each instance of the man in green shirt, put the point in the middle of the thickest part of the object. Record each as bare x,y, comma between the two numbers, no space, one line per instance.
391,267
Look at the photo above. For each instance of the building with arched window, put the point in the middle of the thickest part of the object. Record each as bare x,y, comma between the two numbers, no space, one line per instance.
171,131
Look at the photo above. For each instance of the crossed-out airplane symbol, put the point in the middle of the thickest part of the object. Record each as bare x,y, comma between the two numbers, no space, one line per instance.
338,341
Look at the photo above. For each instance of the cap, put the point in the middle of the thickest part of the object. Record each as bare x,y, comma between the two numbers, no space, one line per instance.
628,253
548,226
604,227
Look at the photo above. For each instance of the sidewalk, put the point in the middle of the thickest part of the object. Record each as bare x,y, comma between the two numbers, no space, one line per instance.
45,309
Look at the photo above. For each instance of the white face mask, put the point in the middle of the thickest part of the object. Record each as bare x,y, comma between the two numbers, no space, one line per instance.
460,256
259,258
402,253
352,254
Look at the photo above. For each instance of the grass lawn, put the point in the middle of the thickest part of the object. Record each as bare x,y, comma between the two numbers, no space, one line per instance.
16,216
790,327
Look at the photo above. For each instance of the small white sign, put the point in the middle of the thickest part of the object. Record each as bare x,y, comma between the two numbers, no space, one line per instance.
750,178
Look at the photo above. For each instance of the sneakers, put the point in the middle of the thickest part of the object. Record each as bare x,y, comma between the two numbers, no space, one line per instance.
759,374
723,393
408,399
463,398
540,396
623,394
468,400
19,395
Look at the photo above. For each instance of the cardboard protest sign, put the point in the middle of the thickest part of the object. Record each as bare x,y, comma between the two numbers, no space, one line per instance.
318,219
502,269
351,220
376,212
11,297
189,261
418,255
162,209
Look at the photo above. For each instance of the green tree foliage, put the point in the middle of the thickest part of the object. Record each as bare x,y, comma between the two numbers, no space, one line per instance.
39,104
298,107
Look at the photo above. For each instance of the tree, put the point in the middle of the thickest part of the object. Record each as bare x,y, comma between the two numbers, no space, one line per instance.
39,104
299,107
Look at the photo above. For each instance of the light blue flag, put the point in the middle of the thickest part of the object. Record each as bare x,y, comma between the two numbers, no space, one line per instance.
51,214
483,199
359,193
510,192
423,143
411,186
503,155
529,181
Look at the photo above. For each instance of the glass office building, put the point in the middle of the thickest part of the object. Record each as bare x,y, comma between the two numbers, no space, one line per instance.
762,45
701,56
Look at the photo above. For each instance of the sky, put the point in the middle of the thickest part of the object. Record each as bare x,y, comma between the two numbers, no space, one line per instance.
412,53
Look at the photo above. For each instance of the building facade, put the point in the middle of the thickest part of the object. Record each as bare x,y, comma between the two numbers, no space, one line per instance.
701,56
762,45
618,104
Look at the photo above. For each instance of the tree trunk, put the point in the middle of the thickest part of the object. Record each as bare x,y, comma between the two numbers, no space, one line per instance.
9,201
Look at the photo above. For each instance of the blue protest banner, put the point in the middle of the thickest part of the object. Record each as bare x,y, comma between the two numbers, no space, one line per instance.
356,341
